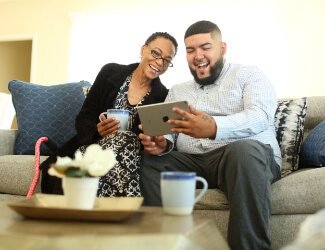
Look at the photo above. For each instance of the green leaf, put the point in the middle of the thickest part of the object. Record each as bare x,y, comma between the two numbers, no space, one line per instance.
75,173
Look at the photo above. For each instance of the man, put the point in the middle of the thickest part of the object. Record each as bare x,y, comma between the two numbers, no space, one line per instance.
228,137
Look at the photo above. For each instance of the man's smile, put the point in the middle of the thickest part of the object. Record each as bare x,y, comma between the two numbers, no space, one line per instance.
201,65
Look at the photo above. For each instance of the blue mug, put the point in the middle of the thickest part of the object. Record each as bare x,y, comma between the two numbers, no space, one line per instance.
119,114
178,191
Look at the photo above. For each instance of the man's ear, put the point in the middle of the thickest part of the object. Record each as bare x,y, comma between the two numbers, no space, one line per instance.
223,48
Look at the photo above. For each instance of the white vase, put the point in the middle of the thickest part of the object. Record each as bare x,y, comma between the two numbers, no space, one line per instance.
80,193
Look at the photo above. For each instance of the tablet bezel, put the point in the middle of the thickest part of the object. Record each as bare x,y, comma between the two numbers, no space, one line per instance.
152,117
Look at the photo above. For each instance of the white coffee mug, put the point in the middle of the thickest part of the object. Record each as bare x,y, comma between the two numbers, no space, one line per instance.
119,114
178,191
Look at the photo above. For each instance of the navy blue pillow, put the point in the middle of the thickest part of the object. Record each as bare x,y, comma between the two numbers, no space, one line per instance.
313,149
45,111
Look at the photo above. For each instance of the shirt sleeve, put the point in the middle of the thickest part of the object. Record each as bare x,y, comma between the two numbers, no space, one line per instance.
170,147
259,106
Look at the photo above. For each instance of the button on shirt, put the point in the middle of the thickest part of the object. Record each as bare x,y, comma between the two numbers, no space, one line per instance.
242,102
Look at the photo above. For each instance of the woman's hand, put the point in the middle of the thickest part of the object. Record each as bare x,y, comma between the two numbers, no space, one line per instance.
107,126
154,145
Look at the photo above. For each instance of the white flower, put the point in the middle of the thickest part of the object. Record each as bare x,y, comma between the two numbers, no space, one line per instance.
63,162
98,161
53,172
95,162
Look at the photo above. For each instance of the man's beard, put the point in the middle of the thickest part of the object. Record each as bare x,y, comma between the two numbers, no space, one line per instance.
214,73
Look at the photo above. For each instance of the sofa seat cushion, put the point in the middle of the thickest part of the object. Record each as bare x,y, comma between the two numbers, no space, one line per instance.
298,193
301,192
11,197
17,173
212,199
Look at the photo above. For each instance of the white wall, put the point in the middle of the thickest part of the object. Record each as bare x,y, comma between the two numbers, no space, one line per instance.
122,41
295,46
301,47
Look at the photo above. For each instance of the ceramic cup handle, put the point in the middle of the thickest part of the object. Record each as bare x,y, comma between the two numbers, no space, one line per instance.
105,113
205,188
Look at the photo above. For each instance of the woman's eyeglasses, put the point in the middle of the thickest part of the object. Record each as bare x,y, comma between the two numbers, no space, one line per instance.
157,55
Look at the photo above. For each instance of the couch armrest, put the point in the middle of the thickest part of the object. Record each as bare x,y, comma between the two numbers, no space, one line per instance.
7,141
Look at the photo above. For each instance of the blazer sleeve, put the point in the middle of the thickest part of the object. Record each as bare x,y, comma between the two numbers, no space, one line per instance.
88,117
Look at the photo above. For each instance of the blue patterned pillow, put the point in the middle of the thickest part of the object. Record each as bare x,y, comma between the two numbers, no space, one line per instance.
289,125
313,149
45,111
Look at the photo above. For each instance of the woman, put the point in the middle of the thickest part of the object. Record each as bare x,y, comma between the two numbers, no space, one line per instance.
119,87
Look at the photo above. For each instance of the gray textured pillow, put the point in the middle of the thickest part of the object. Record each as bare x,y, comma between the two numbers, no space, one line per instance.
289,125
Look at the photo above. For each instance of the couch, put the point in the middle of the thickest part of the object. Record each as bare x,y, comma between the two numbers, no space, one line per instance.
294,197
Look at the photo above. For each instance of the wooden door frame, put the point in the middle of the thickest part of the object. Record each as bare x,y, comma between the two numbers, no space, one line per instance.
24,37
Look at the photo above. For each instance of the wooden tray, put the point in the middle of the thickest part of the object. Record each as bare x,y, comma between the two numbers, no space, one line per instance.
45,206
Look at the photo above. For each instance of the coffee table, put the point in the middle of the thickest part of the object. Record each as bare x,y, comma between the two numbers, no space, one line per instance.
147,228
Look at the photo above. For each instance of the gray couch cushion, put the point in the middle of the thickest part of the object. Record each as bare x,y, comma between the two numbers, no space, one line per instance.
301,192
8,139
298,193
212,199
315,112
11,198
17,174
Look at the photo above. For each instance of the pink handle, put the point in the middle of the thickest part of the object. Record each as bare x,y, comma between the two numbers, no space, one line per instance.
37,164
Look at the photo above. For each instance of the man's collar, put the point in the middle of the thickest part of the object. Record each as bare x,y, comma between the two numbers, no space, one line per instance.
224,69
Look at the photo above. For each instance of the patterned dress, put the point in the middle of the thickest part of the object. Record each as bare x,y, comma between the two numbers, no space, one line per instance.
123,178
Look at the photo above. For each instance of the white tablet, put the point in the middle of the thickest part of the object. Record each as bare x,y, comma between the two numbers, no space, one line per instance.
154,117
